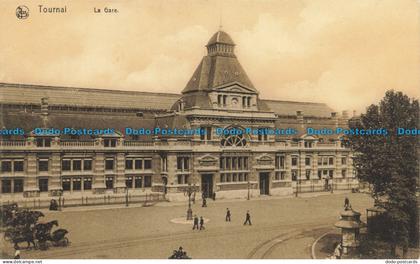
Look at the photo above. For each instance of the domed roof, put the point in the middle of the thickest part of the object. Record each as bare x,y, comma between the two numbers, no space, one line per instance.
220,37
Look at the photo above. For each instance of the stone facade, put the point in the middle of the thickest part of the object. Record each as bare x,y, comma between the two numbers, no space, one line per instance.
219,97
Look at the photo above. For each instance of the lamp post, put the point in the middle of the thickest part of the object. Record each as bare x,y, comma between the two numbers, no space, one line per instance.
190,191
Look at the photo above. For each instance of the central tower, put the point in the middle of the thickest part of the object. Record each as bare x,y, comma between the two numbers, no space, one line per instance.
219,82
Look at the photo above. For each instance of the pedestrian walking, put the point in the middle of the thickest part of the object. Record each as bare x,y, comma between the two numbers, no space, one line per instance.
227,215
247,218
195,223
204,203
201,223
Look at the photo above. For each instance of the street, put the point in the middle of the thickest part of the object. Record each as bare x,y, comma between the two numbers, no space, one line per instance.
281,228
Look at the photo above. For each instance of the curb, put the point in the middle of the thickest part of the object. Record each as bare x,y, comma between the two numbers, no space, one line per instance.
313,255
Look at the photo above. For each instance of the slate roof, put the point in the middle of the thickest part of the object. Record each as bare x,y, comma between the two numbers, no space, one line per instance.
32,94
214,71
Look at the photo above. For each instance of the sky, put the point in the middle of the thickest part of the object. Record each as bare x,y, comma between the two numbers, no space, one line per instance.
343,53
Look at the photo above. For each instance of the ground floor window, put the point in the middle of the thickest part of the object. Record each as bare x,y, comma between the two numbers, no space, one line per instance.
6,186
109,182
76,183
234,177
18,185
294,175
12,185
280,175
147,181
43,185
308,174
129,182
138,182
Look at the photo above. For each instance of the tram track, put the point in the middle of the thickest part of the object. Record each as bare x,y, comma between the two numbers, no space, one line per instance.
260,251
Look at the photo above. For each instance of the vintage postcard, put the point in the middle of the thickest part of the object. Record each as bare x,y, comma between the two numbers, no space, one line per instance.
209,129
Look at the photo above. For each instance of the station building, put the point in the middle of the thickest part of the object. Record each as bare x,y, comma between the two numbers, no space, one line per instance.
218,97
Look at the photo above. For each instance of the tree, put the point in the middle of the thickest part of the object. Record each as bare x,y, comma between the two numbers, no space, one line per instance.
390,162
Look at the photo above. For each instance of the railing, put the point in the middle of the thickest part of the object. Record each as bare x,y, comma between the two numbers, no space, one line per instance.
13,143
77,143
64,202
134,143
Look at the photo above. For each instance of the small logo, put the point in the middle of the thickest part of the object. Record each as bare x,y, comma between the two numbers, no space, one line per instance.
22,12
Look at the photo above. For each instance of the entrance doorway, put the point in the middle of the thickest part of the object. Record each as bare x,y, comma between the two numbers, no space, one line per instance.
207,185
264,183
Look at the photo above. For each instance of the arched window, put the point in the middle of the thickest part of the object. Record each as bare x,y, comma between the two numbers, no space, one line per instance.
235,138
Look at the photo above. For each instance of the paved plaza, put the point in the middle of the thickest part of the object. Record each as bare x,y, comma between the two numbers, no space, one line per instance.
281,228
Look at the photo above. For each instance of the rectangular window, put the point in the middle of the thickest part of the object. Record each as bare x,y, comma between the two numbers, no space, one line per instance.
331,173
147,166
319,174
147,181
307,161
240,167
308,174
294,175
179,177
18,165
110,143
186,164
66,165
6,186
129,182
65,184
43,185
77,184
277,176
109,164
246,163
282,175
43,165
138,164
344,160
87,165
87,183
222,163
319,160
18,186
6,166
234,177
324,161
186,179
222,177
331,161
240,177
344,173
228,164
109,182
47,142
246,177
128,164
294,161
77,165
138,182
208,133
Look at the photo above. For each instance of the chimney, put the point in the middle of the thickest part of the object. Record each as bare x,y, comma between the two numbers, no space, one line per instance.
299,115
44,106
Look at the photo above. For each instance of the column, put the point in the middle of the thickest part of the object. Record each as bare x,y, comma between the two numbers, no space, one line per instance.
98,181
55,174
30,183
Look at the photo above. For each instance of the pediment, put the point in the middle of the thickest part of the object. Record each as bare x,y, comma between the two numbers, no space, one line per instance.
235,87
207,160
264,159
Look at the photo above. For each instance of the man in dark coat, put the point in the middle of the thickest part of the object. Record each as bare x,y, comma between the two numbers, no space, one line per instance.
227,215
201,223
247,218
195,222
204,203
